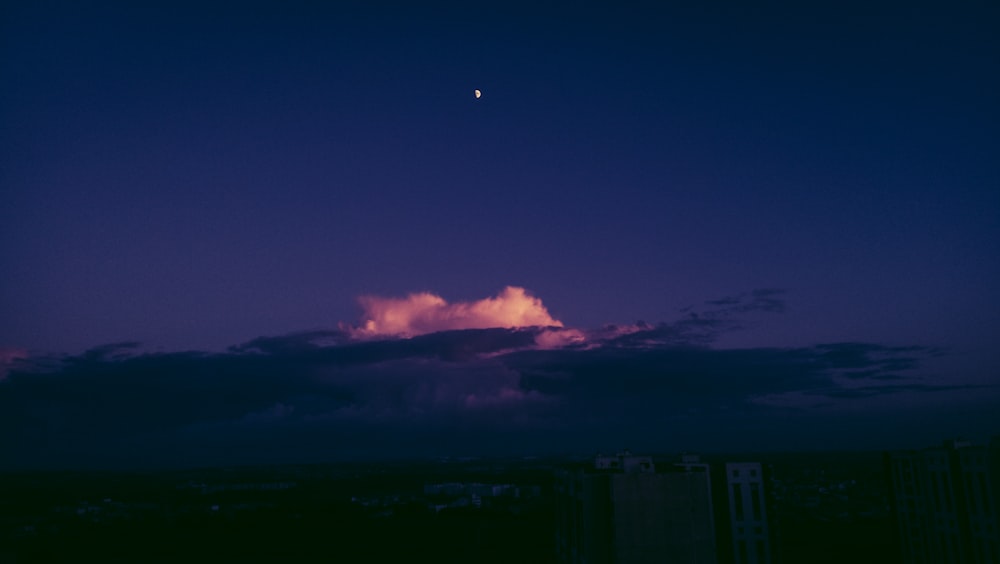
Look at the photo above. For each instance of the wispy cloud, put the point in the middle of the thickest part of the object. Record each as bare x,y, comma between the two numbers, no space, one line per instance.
770,300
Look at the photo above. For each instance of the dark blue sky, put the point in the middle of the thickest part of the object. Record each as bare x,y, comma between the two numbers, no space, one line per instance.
194,176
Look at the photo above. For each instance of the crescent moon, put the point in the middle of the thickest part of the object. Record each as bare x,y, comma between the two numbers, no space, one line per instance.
478,93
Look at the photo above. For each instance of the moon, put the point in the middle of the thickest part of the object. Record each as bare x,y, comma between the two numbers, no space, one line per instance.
478,93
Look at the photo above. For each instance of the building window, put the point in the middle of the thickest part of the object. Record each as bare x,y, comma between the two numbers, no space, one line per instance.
738,501
761,552
984,497
947,495
743,551
753,473
755,499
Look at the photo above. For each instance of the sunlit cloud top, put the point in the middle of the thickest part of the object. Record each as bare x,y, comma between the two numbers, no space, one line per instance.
422,313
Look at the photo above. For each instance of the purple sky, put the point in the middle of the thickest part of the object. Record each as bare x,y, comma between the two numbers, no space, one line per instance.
195,176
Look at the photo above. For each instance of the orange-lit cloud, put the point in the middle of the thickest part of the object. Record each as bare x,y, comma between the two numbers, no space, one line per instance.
422,313
559,338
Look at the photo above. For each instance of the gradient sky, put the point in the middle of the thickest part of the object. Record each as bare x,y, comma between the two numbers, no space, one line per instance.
194,176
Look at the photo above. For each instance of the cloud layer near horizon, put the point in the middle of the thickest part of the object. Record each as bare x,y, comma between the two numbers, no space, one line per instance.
324,395
423,313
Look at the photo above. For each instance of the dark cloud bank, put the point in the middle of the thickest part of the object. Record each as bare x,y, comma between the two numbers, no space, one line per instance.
321,396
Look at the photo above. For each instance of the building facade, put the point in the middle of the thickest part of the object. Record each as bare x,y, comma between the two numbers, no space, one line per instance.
748,522
944,501
622,510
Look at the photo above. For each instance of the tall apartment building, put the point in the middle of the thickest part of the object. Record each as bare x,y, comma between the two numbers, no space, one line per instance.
747,514
945,502
622,510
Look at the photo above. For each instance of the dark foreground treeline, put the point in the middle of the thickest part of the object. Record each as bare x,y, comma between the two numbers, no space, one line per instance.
331,532
214,516
825,509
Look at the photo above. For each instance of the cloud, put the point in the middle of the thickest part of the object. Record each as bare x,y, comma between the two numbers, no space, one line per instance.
9,358
423,313
762,299
318,395
109,351
292,343
560,338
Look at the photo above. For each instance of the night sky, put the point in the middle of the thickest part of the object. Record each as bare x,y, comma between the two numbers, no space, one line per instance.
263,232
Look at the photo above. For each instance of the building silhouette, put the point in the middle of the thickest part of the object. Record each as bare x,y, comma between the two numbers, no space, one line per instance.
945,502
624,509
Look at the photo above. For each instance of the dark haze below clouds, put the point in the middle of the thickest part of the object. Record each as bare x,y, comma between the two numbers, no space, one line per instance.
322,395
